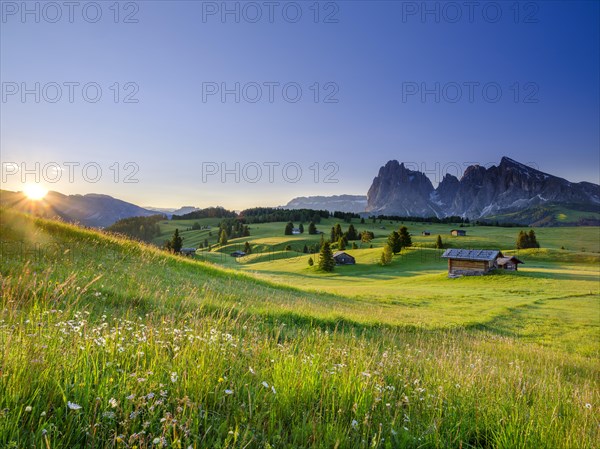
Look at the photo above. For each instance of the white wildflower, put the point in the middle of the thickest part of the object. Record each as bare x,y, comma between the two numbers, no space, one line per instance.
113,402
228,391
174,377
73,406
264,384
28,408
354,423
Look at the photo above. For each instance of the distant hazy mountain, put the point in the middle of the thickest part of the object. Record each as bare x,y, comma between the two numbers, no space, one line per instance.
342,203
90,210
481,192
169,212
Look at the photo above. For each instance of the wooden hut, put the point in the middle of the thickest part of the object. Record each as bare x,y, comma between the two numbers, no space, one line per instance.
471,262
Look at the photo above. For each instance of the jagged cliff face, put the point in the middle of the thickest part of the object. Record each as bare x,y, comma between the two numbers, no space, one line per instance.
400,189
510,186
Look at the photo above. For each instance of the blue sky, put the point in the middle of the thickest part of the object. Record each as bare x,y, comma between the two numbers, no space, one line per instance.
374,61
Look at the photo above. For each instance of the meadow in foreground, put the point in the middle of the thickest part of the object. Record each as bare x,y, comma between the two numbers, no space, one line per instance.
125,346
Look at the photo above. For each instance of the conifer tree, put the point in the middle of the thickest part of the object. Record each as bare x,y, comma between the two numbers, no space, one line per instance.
326,262
176,242
405,239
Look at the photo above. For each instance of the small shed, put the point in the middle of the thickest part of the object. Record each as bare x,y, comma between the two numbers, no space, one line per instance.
471,262
458,232
238,254
426,233
188,251
508,263
343,258
296,231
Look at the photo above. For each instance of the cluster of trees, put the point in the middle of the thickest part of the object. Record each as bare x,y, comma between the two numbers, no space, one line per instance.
452,219
395,242
273,214
527,240
140,228
232,228
209,212
346,216
289,228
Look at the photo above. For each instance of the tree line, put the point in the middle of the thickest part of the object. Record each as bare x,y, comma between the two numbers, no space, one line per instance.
139,228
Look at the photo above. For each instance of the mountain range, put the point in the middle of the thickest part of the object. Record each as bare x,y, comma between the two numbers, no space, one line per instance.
481,192
510,191
341,203
93,209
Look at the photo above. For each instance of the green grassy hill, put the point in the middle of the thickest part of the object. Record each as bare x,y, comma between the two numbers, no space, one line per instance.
110,343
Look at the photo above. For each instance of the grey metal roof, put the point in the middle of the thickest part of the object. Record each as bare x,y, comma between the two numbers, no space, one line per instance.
339,253
471,254
505,260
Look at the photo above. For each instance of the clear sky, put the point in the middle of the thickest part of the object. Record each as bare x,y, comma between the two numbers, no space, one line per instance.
438,87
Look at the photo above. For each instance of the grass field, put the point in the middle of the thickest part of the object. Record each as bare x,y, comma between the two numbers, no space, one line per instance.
111,343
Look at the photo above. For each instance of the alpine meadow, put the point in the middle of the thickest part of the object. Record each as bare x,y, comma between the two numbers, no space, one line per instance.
324,224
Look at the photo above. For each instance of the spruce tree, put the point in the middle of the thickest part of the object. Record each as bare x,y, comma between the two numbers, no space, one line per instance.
326,262
247,248
351,234
301,228
312,229
176,242
438,243
223,237
289,228
338,232
394,242
405,239
533,243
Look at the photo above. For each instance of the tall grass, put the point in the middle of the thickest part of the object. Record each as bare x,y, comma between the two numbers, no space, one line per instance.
93,358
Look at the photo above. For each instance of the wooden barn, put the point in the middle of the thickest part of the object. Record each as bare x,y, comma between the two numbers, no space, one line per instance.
188,251
343,258
508,263
426,233
458,232
471,262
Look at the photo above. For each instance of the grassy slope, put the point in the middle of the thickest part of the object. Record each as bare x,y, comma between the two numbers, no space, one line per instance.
86,316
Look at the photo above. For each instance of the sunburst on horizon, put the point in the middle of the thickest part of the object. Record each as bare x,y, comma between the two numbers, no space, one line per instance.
35,192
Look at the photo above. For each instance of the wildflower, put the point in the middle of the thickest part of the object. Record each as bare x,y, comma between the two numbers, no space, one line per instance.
28,408
113,402
354,423
588,406
43,414
228,391
73,406
264,384
130,397
251,370
221,380
156,441
273,389
173,377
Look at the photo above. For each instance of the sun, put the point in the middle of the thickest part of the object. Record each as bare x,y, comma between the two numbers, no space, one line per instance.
35,191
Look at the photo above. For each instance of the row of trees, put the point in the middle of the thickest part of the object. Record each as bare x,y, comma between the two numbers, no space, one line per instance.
527,240
272,214
140,228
